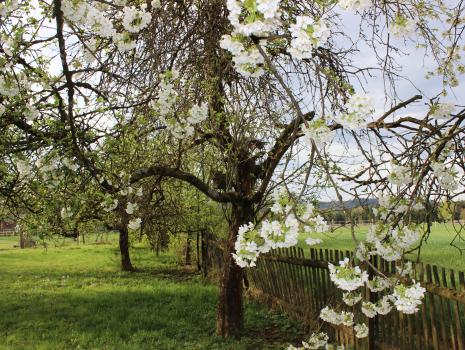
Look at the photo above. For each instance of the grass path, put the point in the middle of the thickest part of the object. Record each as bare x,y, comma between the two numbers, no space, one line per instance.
76,298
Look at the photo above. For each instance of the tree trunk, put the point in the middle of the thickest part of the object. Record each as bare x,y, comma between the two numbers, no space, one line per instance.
124,249
230,313
126,264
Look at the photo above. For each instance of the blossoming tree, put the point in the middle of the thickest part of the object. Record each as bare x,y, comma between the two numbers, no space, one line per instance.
244,82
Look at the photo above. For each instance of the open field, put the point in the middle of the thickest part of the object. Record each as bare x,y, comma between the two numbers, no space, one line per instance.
436,250
75,297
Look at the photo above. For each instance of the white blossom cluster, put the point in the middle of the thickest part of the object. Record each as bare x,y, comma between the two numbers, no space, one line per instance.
133,21
447,178
131,208
357,109
407,299
316,341
8,87
281,232
247,61
368,309
378,284
179,125
7,7
307,34
400,175
254,17
337,318
246,247
109,204
346,277
384,305
389,243
318,131
134,224
361,330
442,110
351,298
403,26
354,5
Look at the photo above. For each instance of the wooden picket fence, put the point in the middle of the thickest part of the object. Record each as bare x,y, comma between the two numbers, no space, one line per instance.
285,279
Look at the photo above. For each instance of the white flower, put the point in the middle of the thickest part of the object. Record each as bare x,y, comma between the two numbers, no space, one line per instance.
253,24
368,309
388,251
358,108
307,34
404,238
403,26
407,299
110,204
30,112
268,8
8,87
442,110
124,42
399,175
249,62
351,298
156,4
378,284
135,20
316,341
384,306
198,113
131,208
405,270
346,277
232,44
318,132
329,315
361,330
134,224
2,109
447,178
355,4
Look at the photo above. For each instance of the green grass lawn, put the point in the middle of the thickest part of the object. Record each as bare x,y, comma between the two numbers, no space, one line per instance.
75,297
436,250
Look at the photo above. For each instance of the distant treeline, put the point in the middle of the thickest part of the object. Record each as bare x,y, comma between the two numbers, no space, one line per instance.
362,211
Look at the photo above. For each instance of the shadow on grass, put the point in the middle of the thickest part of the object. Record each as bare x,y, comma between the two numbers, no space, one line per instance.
160,308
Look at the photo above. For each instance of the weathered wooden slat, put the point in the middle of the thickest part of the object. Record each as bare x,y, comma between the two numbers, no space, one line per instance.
432,310
447,317
444,339
456,316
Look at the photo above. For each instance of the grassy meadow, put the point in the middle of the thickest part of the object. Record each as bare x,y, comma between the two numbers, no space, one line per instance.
75,297
70,296
436,250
